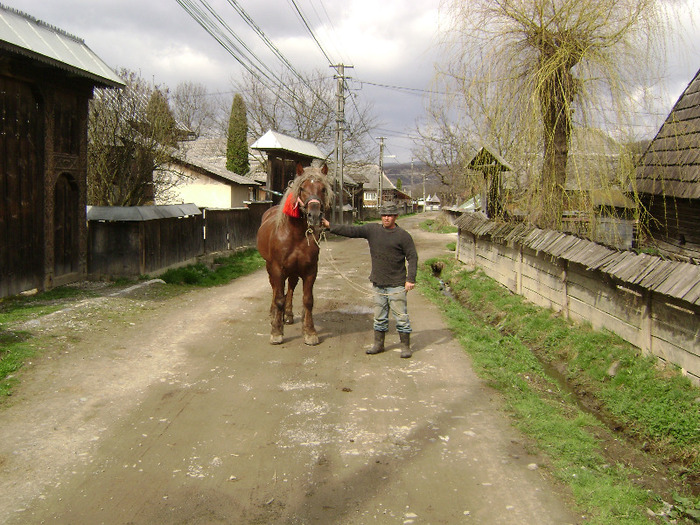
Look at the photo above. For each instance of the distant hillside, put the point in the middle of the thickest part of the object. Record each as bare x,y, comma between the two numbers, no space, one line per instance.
412,178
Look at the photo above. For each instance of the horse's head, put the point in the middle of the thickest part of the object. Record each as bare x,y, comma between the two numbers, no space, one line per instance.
313,193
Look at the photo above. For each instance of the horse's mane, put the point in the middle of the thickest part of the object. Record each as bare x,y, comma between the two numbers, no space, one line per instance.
295,188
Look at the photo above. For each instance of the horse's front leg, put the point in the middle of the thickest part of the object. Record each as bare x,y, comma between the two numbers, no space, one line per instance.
277,306
310,335
288,311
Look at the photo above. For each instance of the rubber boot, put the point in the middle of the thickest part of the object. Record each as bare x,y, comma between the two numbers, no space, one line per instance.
378,343
405,344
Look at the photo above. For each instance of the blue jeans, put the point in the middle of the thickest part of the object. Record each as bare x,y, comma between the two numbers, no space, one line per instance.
391,298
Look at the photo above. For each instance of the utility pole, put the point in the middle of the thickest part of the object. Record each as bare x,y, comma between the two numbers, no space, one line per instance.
339,139
381,173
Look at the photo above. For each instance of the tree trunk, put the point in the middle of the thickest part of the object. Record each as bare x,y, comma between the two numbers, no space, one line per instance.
556,96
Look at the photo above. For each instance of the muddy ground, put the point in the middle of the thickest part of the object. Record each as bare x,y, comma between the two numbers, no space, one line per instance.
155,409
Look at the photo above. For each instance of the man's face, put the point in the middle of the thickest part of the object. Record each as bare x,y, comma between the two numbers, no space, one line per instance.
389,221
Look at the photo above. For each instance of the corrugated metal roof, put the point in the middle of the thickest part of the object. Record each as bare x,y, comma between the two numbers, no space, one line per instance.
675,279
140,213
274,140
23,34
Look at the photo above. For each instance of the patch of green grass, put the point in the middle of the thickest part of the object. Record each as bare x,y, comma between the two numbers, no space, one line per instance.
511,342
439,225
15,349
225,269
452,246
21,308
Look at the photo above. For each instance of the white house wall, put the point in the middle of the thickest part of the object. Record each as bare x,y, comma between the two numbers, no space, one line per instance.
207,192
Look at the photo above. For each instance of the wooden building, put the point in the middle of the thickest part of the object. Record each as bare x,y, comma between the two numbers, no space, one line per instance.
283,153
46,80
204,180
668,178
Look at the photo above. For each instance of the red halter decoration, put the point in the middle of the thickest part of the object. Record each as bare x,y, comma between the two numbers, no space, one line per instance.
292,208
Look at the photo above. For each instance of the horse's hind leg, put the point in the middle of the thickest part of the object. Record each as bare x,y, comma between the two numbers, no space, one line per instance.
288,311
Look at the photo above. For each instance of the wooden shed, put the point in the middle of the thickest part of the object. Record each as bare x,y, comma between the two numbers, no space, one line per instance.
47,77
668,178
283,153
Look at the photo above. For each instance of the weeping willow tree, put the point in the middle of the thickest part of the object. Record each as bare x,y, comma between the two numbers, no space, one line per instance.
528,72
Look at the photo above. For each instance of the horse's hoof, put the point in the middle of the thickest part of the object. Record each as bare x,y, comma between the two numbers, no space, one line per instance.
276,339
311,340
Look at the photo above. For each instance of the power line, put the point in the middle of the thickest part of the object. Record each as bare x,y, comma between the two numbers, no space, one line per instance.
242,52
251,23
311,32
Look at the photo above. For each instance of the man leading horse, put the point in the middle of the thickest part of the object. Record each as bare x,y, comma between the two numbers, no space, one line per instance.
390,248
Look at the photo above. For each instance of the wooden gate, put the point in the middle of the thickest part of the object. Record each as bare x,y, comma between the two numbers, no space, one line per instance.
21,188
66,227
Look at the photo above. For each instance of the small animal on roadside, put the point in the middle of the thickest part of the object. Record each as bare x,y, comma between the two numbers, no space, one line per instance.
288,239
437,268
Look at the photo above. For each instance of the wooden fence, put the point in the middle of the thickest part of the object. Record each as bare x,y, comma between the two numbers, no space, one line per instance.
129,242
230,229
651,302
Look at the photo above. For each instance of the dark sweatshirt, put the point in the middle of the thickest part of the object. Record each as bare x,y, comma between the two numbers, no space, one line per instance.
388,249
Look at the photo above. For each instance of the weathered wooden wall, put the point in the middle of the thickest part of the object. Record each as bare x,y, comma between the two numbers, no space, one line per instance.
21,188
666,325
231,229
133,248
129,249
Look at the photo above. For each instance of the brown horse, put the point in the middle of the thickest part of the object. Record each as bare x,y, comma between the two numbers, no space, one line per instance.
288,241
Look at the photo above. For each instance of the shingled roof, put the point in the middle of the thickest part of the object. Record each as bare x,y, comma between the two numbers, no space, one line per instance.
671,164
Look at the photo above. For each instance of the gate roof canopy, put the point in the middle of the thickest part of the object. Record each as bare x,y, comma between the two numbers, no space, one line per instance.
23,34
274,141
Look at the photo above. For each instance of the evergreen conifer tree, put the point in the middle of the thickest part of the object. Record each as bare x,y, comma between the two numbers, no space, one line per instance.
237,144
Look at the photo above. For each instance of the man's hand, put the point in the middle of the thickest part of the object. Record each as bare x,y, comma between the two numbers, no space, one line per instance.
325,223
409,286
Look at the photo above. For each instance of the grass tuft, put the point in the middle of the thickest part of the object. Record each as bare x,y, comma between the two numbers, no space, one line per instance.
225,269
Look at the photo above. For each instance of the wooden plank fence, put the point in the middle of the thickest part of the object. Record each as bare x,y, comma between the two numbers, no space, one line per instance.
651,302
120,245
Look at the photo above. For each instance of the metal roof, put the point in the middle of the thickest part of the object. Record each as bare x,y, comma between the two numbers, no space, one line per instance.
274,140
140,213
25,35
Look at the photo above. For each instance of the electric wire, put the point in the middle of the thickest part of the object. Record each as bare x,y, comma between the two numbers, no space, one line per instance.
311,32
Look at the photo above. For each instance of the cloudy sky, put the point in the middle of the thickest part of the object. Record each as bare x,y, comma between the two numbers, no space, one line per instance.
391,44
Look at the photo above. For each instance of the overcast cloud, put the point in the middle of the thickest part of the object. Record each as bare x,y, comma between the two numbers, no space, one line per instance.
389,42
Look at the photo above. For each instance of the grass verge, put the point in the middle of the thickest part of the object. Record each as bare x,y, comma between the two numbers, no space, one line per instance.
647,466
439,225
17,346
224,270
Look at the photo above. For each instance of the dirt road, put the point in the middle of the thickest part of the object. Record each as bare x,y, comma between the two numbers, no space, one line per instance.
178,411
